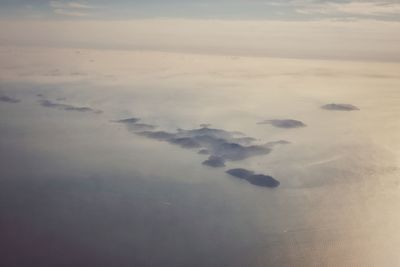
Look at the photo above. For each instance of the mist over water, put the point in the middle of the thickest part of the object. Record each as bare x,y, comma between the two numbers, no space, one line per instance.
79,189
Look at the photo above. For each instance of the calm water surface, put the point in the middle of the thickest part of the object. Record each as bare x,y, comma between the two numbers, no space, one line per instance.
78,189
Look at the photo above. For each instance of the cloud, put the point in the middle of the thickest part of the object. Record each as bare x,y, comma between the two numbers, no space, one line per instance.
70,13
284,123
349,40
255,179
69,4
67,107
70,8
357,8
8,99
340,107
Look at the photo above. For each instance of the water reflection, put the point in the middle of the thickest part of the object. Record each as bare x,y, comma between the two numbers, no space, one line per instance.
81,190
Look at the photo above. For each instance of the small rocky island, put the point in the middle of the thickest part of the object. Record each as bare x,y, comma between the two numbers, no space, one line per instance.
340,107
288,123
255,179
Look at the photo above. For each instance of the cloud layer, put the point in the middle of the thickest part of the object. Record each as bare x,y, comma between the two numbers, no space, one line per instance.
227,9
327,39
352,8
70,8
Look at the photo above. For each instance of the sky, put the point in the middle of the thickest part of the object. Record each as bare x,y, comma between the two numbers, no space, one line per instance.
344,30
227,9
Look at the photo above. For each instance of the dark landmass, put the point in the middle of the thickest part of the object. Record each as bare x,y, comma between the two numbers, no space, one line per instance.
203,152
67,107
159,135
340,107
185,142
215,142
284,123
130,120
131,124
220,145
142,127
245,140
263,180
279,142
240,173
255,179
9,99
214,161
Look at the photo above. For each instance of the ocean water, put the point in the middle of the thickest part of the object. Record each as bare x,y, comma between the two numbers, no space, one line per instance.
79,189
